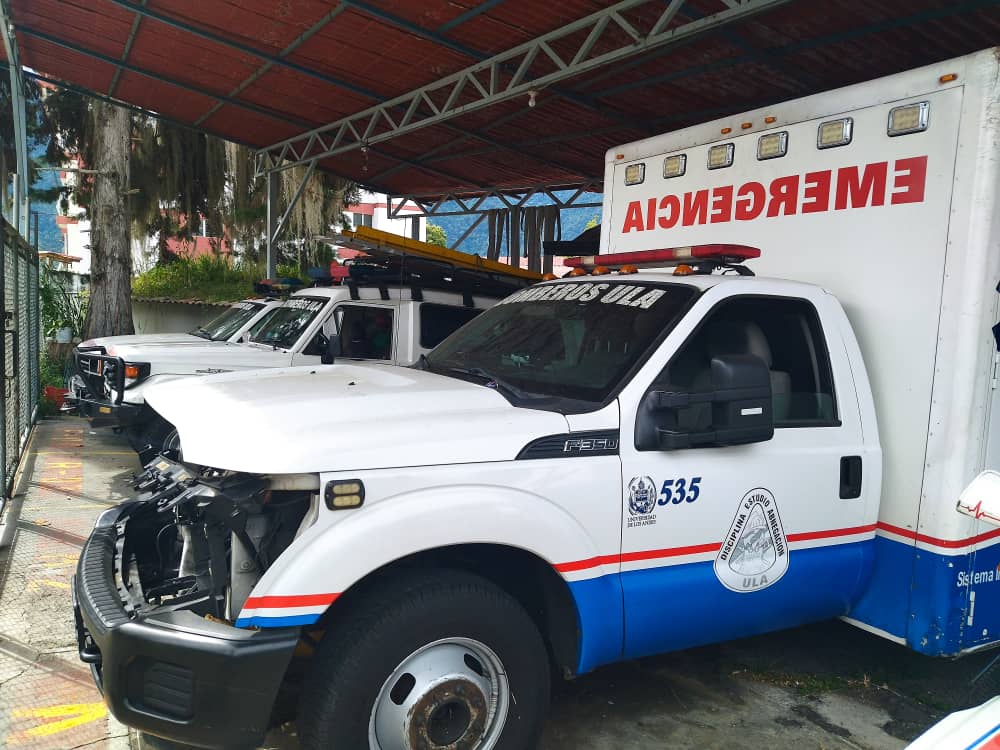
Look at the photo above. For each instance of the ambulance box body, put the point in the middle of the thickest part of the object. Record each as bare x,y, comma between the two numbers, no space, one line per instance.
885,194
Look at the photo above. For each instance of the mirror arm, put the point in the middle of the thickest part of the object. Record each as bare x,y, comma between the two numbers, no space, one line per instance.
671,440
680,399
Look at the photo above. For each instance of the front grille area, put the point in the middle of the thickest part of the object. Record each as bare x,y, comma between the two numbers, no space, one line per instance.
162,688
96,578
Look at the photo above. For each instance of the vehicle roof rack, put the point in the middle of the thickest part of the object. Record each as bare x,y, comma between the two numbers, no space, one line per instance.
395,260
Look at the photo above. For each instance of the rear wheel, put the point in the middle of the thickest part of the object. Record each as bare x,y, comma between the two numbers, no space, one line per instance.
440,661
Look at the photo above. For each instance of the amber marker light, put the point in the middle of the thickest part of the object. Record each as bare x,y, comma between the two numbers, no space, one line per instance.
600,271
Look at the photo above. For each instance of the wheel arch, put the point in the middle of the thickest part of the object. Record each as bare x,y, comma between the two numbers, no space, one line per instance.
525,576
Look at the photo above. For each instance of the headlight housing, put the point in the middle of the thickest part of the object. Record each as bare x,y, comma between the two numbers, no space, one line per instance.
136,372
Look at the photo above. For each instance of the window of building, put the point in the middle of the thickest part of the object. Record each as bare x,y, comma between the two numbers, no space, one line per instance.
361,220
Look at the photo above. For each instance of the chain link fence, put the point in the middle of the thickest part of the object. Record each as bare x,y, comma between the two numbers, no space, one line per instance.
20,347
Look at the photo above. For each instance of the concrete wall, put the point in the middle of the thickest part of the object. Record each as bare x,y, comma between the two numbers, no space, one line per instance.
171,317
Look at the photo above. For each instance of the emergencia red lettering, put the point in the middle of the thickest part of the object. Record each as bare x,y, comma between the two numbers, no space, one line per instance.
813,192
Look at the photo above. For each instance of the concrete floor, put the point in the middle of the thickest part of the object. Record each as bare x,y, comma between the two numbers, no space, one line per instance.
823,686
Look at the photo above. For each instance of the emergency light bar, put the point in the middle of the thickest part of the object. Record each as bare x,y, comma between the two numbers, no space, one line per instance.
716,255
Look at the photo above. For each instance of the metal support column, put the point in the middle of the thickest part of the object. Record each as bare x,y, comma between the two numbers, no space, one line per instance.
17,92
272,223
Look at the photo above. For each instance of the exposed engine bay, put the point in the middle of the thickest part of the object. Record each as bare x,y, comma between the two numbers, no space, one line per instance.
199,539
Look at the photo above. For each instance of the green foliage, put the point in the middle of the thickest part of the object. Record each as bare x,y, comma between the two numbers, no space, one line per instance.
60,308
208,278
436,235
52,370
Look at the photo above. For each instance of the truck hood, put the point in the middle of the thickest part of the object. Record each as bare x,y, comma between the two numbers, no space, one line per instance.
185,359
144,339
344,417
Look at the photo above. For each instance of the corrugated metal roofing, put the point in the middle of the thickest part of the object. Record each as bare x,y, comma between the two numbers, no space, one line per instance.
215,65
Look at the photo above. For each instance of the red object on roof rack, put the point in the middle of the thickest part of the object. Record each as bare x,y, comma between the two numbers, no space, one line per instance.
666,257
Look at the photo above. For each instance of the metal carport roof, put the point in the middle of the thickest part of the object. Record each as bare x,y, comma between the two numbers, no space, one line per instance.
260,72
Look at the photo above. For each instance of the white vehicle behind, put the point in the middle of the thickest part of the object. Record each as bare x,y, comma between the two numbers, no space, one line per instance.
238,321
389,325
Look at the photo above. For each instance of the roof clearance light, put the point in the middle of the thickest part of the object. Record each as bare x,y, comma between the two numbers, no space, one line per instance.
910,118
674,166
683,270
577,272
549,277
772,145
833,133
721,156
769,119
635,174
948,78
600,271
629,268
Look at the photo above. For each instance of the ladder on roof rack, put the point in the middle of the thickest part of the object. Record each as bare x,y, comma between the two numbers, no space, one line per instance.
400,260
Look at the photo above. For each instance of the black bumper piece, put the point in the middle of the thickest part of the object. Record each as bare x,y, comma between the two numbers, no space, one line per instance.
175,675
102,413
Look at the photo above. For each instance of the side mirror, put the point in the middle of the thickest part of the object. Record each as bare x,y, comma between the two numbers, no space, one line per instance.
981,499
332,349
735,411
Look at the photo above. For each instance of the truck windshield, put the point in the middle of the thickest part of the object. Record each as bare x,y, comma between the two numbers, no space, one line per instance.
288,322
222,327
566,340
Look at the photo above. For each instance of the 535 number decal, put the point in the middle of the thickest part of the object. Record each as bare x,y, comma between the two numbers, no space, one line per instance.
677,491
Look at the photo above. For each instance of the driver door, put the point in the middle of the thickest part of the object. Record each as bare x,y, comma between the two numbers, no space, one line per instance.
724,541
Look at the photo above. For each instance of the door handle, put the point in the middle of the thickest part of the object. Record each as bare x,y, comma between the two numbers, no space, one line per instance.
850,477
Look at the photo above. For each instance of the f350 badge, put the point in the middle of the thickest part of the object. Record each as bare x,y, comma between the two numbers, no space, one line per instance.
754,554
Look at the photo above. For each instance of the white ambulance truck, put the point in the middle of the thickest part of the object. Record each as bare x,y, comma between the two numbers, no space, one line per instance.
639,458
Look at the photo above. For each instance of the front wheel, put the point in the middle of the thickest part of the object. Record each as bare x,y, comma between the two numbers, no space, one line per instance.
442,660
154,437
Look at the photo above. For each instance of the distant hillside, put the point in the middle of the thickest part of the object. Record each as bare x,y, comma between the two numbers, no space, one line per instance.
574,221
49,236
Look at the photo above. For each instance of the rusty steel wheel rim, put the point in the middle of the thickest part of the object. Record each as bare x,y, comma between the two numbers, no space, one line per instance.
452,694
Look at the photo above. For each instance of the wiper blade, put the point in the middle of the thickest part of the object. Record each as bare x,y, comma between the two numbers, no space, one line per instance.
492,381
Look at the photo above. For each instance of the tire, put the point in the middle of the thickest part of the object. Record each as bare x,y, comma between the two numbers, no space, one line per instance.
155,437
436,621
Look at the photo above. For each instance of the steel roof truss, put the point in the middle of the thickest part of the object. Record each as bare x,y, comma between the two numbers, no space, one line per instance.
453,204
456,97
